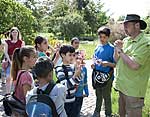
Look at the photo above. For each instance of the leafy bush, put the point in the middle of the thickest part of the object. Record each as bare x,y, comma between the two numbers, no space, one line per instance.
16,14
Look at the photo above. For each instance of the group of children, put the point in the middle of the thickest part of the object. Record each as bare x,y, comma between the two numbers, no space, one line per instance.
71,73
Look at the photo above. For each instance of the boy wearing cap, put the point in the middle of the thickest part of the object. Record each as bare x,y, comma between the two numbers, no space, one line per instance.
132,68
103,63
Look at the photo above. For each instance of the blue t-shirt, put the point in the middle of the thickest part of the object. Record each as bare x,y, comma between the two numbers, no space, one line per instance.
83,85
105,53
40,54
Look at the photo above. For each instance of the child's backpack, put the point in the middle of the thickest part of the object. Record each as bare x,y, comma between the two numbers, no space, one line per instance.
41,104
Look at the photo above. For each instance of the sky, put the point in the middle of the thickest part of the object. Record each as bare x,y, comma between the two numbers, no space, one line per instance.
122,7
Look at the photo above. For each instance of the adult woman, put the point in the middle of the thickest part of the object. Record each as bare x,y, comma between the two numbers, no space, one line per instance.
14,41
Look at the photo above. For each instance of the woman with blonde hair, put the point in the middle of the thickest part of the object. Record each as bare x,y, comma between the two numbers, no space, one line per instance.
14,41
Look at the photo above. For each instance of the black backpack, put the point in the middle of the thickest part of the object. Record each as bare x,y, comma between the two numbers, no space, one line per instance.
41,104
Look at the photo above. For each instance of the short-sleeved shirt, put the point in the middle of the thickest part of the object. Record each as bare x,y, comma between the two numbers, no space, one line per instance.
25,78
40,54
134,82
105,53
13,46
57,94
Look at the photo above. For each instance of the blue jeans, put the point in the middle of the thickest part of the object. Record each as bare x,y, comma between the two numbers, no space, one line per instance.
78,105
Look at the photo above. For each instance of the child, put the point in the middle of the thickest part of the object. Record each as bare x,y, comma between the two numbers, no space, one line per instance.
41,45
44,72
69,77
83,86
103,68
23,60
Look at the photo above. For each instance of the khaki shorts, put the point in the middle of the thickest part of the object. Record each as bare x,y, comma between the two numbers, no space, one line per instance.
134,102
131,106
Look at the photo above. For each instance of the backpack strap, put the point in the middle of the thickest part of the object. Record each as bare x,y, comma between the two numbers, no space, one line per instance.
50,102
49,87
18,79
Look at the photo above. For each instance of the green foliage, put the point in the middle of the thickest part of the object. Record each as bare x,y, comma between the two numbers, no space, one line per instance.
72,25
146,109
147,30
67,19
60,8
89,48
94,15
16,14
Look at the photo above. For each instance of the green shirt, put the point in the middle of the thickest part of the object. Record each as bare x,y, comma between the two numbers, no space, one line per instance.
134,82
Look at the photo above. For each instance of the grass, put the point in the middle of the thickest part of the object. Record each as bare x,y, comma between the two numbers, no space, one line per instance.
89,48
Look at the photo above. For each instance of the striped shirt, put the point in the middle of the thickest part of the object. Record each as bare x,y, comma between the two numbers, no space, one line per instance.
64,75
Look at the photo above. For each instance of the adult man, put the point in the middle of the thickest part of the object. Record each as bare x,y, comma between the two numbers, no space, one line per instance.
132,69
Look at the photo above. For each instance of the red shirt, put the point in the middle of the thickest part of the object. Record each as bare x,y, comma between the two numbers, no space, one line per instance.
13,46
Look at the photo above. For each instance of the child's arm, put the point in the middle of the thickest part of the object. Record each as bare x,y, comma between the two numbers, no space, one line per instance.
85,83
63,78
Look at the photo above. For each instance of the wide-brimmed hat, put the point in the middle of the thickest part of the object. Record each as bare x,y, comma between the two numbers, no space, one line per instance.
135,18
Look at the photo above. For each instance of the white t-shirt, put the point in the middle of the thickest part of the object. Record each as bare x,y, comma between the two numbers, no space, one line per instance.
58,95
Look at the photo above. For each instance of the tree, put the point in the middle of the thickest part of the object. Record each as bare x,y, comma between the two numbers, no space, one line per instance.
74,25
16,14
40,10
71,25
60,8
94,15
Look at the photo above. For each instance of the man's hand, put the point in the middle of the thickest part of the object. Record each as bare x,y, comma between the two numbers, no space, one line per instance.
118,44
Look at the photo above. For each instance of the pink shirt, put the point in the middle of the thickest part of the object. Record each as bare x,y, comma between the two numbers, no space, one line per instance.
25,78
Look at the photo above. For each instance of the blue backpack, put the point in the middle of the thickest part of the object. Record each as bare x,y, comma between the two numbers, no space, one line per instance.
41,104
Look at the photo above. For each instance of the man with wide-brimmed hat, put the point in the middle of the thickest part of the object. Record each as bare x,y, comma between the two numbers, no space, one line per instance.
132,68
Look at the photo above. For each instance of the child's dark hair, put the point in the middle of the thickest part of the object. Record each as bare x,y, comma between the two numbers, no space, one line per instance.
74,39
65,49
104,30
38,40
43,67
17,60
